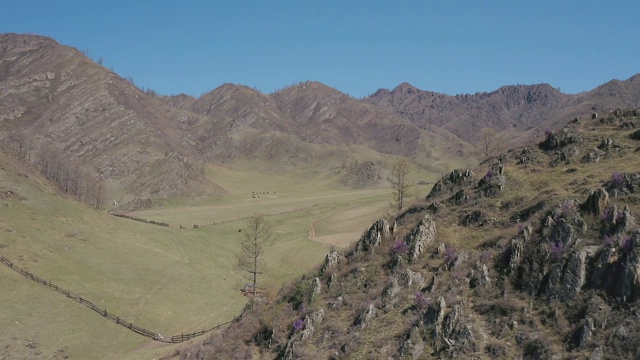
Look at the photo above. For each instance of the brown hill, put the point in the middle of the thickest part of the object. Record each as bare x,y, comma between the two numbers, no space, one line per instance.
517,109
53,99
53,96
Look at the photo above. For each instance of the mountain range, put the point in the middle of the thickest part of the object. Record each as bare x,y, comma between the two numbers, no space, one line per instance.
150,147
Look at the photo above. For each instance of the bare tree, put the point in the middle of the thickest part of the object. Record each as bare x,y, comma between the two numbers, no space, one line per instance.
257,238
399,182
490,142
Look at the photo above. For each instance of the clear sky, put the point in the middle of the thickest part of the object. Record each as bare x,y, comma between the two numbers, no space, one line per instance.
357,47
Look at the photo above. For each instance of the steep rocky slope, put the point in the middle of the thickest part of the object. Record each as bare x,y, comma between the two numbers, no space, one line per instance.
533,255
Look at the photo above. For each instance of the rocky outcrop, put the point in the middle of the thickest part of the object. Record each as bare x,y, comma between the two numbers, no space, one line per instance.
332,259
311,321
373,237
494,180
593,156
421,236
365,316
451,182
476,217
565,282
628,285
596,202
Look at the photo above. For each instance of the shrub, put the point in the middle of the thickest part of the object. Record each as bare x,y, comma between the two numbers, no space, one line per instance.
298,325
400,247
421,301
617,179
449,253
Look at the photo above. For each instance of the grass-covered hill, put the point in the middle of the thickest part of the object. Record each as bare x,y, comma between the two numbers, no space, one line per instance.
533,255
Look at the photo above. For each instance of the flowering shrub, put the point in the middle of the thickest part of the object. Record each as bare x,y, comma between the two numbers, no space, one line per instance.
449,253
606,214
607,240
421,301
617,179
488,176
400,247
298,325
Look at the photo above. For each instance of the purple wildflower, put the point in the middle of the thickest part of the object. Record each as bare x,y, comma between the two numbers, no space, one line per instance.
400,247
488,176
617,179
298,325
607,240
606,214
421,300
449,253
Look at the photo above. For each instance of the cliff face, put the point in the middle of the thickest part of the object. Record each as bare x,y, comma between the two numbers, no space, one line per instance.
531,258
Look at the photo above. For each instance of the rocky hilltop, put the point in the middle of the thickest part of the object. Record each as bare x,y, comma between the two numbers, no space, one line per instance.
533,255
518,109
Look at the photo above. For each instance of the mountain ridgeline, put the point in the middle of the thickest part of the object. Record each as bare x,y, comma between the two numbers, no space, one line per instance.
138,147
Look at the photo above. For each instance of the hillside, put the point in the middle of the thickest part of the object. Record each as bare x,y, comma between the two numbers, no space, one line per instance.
147,148
520,110
534,255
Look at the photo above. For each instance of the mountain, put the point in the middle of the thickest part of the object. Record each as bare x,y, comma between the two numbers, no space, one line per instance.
515,109
53,97
533,256
135,146
145,146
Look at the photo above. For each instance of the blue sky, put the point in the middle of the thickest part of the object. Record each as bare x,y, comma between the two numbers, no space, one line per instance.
357,47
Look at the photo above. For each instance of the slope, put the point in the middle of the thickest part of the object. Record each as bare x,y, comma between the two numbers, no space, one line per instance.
531,256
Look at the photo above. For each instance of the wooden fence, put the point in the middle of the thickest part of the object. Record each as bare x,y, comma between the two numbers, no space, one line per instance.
148,221
116,319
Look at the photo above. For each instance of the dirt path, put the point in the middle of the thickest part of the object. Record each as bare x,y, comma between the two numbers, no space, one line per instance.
312,231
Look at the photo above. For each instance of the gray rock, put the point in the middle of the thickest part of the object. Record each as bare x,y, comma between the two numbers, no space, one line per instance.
585,332
317,286
365,317
373,237
390,294
421,236
596,202
414,345
311,321
410,278
332,259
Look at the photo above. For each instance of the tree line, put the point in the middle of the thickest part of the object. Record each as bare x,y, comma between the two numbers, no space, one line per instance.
57,167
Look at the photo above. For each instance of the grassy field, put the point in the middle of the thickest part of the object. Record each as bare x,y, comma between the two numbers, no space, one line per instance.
168,280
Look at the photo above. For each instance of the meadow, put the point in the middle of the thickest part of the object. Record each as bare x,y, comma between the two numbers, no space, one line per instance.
170,280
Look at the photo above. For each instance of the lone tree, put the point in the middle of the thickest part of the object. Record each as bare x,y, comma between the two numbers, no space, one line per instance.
490,142
399,182
257,238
